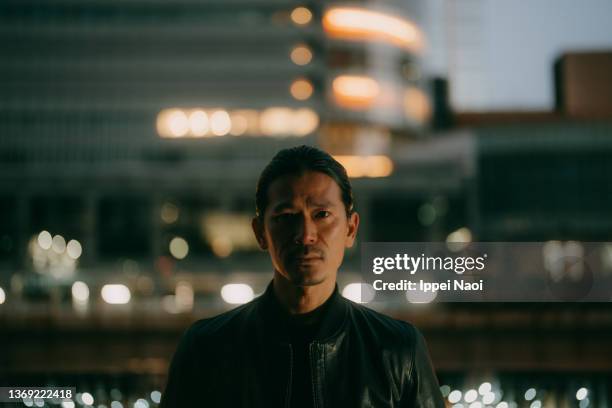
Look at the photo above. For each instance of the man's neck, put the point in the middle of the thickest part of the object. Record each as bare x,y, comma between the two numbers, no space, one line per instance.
301,299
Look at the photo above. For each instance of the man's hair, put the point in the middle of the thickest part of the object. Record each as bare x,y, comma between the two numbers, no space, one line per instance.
296,161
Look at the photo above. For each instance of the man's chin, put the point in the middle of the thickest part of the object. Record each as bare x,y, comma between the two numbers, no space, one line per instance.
307,278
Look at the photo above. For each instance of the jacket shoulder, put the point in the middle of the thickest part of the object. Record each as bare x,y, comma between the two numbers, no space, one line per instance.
222,325
386,330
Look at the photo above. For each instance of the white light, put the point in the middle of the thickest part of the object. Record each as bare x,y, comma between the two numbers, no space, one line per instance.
580,394
457,406
220,123
484,388
39,402
172,123
458,240
116,294
198,122
58,244
530,394
74,249
156,396
178,123
116,404
179,248
87,398
2,296
80,291
359,292
28,402
45,240
454,396
141,403
502,404
476,404
237,293
470,396
488,398
67,404
536,404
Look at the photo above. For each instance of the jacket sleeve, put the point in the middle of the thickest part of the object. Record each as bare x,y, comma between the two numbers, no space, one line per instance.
179,386
425,390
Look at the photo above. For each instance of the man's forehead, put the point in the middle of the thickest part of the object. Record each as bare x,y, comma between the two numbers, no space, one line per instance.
315,188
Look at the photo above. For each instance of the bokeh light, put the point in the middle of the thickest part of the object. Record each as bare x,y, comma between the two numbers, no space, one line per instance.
74,249
301,16
237,293
301,54
220,123
80,291
179,248
198,123
301,89
45,240
116,294
359,292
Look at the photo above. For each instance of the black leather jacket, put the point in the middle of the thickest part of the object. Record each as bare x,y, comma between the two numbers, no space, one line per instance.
360,358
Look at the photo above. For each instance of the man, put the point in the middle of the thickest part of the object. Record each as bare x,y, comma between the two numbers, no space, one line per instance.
301,344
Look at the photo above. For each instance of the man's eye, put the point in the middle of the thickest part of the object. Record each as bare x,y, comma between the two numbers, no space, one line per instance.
323,214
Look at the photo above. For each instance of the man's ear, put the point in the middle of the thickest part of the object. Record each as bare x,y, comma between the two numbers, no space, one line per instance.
353,226
258,230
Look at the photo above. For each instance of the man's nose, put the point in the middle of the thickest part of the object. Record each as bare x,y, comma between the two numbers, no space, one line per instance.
306,231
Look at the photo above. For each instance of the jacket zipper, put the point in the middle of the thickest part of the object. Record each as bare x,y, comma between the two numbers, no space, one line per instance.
312,374
288,400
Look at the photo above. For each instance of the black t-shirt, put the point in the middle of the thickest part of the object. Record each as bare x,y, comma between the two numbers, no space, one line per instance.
302,329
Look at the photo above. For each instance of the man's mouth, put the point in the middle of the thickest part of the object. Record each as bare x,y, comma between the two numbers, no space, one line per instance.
308,258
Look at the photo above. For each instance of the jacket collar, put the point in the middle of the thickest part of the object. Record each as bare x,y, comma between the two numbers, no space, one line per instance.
274,319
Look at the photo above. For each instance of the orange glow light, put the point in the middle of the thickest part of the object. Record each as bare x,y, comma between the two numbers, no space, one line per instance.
352,23
366,166
301,15
355,92
301,89
301,55
416,105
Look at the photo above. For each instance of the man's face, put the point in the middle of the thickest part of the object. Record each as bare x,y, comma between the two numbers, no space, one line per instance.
305,228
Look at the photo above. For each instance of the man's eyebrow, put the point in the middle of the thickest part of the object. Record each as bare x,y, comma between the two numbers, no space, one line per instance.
282,206
288,204
322,204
